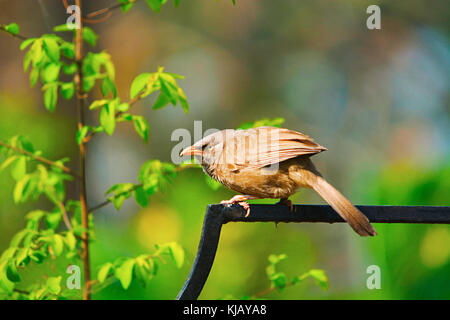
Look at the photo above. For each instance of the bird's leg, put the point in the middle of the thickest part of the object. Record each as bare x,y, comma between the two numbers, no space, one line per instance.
287,202
241,200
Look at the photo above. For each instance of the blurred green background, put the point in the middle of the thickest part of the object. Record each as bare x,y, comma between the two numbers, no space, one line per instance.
378,100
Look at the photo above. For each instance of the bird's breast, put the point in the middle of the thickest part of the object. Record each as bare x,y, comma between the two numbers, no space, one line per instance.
266,182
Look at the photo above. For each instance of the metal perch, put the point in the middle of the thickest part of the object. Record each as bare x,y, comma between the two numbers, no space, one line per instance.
217,215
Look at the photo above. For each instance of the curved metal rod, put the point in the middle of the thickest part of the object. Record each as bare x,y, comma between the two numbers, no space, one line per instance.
212,225
217,215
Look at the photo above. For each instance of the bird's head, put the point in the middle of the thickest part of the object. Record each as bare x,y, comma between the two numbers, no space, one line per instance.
208,150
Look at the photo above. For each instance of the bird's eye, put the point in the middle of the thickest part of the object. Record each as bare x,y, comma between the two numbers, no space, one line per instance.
207,147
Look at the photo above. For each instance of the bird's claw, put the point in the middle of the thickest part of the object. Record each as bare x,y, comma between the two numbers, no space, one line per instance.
239,201
288,203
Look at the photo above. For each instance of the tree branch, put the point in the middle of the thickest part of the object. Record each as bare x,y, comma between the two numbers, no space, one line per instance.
106,202
40,159
18,36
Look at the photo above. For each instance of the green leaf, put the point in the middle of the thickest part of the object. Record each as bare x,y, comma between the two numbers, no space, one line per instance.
57,244
7,162
123,107
141,197
108,86
98,103
25,43
67,90
51,48
12,28
141,126
90,36
279,280
51,97
54,285
50,72
19,168
11,272
70,68
108,117
104,271
125,272
122,191
155,5
139,84
126,5
68,49
5,284
175,251
169,91
34,75
52,220
320,278
162,101
274,259
70,240
62,28
18,237
81,134
22,189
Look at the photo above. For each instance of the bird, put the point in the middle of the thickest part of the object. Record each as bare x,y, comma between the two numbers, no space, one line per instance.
270,162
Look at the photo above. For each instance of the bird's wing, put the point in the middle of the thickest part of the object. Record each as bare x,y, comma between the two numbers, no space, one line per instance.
263,146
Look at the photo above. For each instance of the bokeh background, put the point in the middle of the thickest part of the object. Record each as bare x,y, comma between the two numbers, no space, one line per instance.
379,100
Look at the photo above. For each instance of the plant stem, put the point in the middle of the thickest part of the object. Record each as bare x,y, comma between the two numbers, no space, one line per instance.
106,202
40,159
19,36
83,202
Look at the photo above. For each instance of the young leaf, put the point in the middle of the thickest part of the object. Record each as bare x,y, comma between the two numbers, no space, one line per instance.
57,244
104,271
176,253
162,101
52,220
108,86
81,134
139,84
53,285
11,272
141,126
320,278
50,72
125,272
108,117
51,48
90,36
51,97
12,28
19,168
67,90
126,5
141,197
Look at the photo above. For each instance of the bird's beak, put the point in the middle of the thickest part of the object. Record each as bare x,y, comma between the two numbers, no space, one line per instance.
191,151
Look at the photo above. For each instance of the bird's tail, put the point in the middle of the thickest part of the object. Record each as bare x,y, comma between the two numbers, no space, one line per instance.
355,218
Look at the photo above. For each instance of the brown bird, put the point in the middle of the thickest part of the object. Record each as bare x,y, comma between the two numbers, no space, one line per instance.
269,162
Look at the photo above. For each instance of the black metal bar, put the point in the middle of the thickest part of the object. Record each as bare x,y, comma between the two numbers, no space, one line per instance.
217,215
212,224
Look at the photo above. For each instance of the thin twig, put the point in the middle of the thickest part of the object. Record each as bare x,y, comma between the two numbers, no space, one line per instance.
108,9
19,36
40,159
106,202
